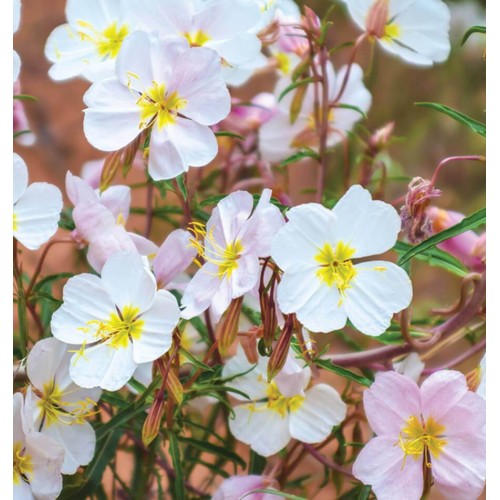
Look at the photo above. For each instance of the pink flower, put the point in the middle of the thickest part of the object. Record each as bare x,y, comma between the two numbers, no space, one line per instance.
439,426
468,247
237,487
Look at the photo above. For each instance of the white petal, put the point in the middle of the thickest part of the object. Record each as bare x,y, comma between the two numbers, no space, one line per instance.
128,282
78,190
378,291
200,291
37,214
44,361
85,299
369,227
238,50
321,410
103,366
266,431
20,177
117,200
164,162
159,322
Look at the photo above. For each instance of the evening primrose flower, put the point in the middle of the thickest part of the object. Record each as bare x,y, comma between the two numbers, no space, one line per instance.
59,407
231,243
322,284
282,409
418,32
236,487
88,44
165,87
120,320
279,138
37,208
221,25
37,459
438,428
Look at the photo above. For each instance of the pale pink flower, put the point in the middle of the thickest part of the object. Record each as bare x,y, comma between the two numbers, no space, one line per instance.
237,487
439,426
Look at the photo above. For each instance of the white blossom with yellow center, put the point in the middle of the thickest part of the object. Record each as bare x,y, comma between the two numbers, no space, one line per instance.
416,31
322,283
89,43
119,320
282,409
166,89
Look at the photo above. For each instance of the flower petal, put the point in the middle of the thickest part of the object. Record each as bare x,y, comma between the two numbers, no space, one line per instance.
20,177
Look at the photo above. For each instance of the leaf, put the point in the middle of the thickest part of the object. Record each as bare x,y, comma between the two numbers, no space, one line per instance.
274,493
476,126
218,451
257,463
296,84
21,132
343,372
50,279
309,153
194,361
435,257
181,183
25,97
226,133
296,104
471,31
175,455
471,222
354,108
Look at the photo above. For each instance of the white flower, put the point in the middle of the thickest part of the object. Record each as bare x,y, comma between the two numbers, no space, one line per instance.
37,208
37,459
164,86
275,9
279,138
16,18
234,239
411,366
222,25
283,409
91,40
120,321
481,390
321,284
59,407
416,31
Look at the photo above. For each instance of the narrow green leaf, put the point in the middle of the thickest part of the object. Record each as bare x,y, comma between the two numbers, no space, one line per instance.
194,361
476,126
294,85
343,372
354,108
175,455
471,222
218,451
299,156
25,97
181,183
50,280
471,31
21,132
257,463
226,133
435,257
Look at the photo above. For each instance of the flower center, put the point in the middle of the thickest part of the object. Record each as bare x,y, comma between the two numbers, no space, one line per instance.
391,31
23,467
283,62
335,266
197,38
283,405
224,257
157,105
120,328
108,42
15,225
55,410
421,438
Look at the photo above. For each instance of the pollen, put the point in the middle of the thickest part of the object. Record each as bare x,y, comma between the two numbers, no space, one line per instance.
108,42
335,265
197,38
391,31
23,466
159,106
281,404
421,438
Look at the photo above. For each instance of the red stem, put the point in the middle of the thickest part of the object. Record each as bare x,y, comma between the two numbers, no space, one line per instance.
454,158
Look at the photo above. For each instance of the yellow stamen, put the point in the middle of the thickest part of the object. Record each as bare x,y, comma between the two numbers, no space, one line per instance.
108,42
336,268
23,466
157,105
198,38
391,31
283,405
15,225
284,63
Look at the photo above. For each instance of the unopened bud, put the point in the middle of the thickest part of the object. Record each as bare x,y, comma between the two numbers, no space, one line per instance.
268,314
151,426
377,18
270,34
311,22
280,351
380,138
230,325
249,344
174,387
474,378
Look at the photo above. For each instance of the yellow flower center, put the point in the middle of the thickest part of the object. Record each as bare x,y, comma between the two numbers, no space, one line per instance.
120,328
284,63
15,225
55,410
108,42
224,257
421,438
23,467
335,266
198,38
277,402
157,105
391,31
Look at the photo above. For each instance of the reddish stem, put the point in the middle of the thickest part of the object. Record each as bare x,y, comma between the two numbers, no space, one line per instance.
455,158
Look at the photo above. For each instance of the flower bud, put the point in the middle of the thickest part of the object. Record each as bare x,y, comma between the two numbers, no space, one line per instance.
230,325
249,344
280,351
174,387
151,426
377,18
